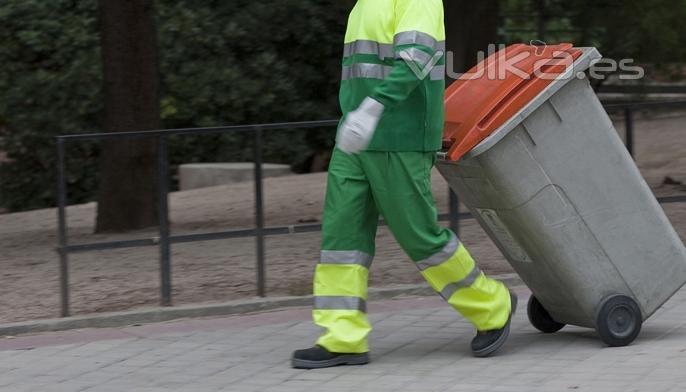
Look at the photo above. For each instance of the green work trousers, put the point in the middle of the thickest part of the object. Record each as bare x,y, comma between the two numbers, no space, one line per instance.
397,186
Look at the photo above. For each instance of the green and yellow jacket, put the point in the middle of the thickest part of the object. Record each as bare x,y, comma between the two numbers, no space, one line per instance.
395,53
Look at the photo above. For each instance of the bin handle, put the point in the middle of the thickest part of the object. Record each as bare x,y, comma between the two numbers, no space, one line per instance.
490,116
518,88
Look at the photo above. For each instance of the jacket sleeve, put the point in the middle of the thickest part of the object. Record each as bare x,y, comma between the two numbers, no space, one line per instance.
419,37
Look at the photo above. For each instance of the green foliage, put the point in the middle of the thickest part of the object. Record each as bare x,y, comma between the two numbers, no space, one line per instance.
522,19
237,62
49,84
242,62
649,31
221,62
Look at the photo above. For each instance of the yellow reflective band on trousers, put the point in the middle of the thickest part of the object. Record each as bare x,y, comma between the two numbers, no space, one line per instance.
340,280
346,330
483,301
340,292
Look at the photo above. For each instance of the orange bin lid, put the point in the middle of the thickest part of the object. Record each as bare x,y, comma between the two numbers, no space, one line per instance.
491,93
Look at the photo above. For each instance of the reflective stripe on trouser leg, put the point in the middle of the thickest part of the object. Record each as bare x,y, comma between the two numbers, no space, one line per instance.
340,306
454,274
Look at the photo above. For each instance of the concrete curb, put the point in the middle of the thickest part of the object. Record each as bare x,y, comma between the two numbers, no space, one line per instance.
162,314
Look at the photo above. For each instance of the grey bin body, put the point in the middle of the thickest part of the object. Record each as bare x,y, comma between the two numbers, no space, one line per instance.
561,197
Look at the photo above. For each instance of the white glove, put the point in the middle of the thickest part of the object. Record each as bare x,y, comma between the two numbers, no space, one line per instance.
358,127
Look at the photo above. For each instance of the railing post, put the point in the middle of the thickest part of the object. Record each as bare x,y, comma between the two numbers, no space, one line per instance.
454,211
259,214
163,206
629,121
63,241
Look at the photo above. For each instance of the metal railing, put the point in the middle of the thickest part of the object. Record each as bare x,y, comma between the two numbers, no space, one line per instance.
165,239
628,109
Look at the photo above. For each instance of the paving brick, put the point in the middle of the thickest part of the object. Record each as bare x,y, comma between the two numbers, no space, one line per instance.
413,349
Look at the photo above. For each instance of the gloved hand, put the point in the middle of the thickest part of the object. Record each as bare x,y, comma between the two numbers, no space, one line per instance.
359,125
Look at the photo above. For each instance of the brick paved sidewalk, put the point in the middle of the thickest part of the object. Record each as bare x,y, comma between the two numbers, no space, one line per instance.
418,344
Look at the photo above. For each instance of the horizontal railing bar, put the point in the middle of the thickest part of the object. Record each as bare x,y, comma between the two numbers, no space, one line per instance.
645,89
218,235
199,131
268,231
460,216
643,105
672,199
109,245
293,125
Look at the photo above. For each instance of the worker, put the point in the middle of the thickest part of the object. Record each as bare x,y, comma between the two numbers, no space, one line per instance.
391,96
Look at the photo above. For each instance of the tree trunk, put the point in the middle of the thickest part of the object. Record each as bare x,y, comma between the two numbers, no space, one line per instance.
127,196
470,27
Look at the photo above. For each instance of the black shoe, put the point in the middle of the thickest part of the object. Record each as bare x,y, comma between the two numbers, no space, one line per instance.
487,342
318,357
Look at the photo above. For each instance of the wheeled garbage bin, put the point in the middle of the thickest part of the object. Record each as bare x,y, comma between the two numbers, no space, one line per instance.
531,152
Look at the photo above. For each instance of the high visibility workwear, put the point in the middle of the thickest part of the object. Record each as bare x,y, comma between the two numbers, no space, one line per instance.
397,186
394,53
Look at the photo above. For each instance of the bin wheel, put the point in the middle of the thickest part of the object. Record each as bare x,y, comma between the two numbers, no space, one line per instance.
540,318
619,320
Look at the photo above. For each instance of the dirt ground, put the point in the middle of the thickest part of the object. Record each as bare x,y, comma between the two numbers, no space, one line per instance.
222,270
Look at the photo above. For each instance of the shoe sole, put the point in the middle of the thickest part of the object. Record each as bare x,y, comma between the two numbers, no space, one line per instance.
357,359
495,346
